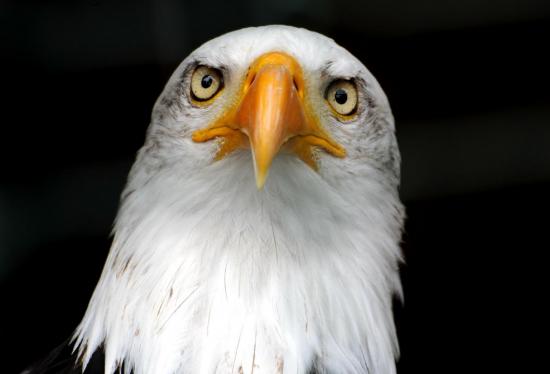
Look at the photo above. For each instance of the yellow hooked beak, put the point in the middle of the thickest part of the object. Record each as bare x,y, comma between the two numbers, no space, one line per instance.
273,113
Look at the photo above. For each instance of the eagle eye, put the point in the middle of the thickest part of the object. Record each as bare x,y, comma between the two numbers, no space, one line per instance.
206,82
342,96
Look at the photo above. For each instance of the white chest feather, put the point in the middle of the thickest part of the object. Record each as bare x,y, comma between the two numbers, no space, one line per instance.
209,275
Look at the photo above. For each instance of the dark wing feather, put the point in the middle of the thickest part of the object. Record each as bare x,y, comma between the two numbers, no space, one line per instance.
62,361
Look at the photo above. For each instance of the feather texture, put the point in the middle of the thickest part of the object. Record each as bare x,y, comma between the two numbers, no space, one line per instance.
208,274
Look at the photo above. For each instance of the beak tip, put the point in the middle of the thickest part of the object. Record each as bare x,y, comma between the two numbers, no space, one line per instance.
260,180
261,167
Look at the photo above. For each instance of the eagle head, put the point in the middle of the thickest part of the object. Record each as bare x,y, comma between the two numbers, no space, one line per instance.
259,229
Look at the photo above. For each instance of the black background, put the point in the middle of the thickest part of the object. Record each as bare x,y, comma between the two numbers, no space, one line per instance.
469,86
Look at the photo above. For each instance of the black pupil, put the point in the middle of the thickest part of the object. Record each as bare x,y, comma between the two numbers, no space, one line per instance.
340,96
207,81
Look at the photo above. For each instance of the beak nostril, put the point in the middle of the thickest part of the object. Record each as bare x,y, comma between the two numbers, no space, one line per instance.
252,79
295,84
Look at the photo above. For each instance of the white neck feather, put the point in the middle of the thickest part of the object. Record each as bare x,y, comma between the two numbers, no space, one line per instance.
207,274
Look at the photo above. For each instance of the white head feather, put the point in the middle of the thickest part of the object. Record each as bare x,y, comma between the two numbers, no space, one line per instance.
208,274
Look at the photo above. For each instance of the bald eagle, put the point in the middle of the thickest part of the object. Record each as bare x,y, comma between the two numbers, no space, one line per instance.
259,229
